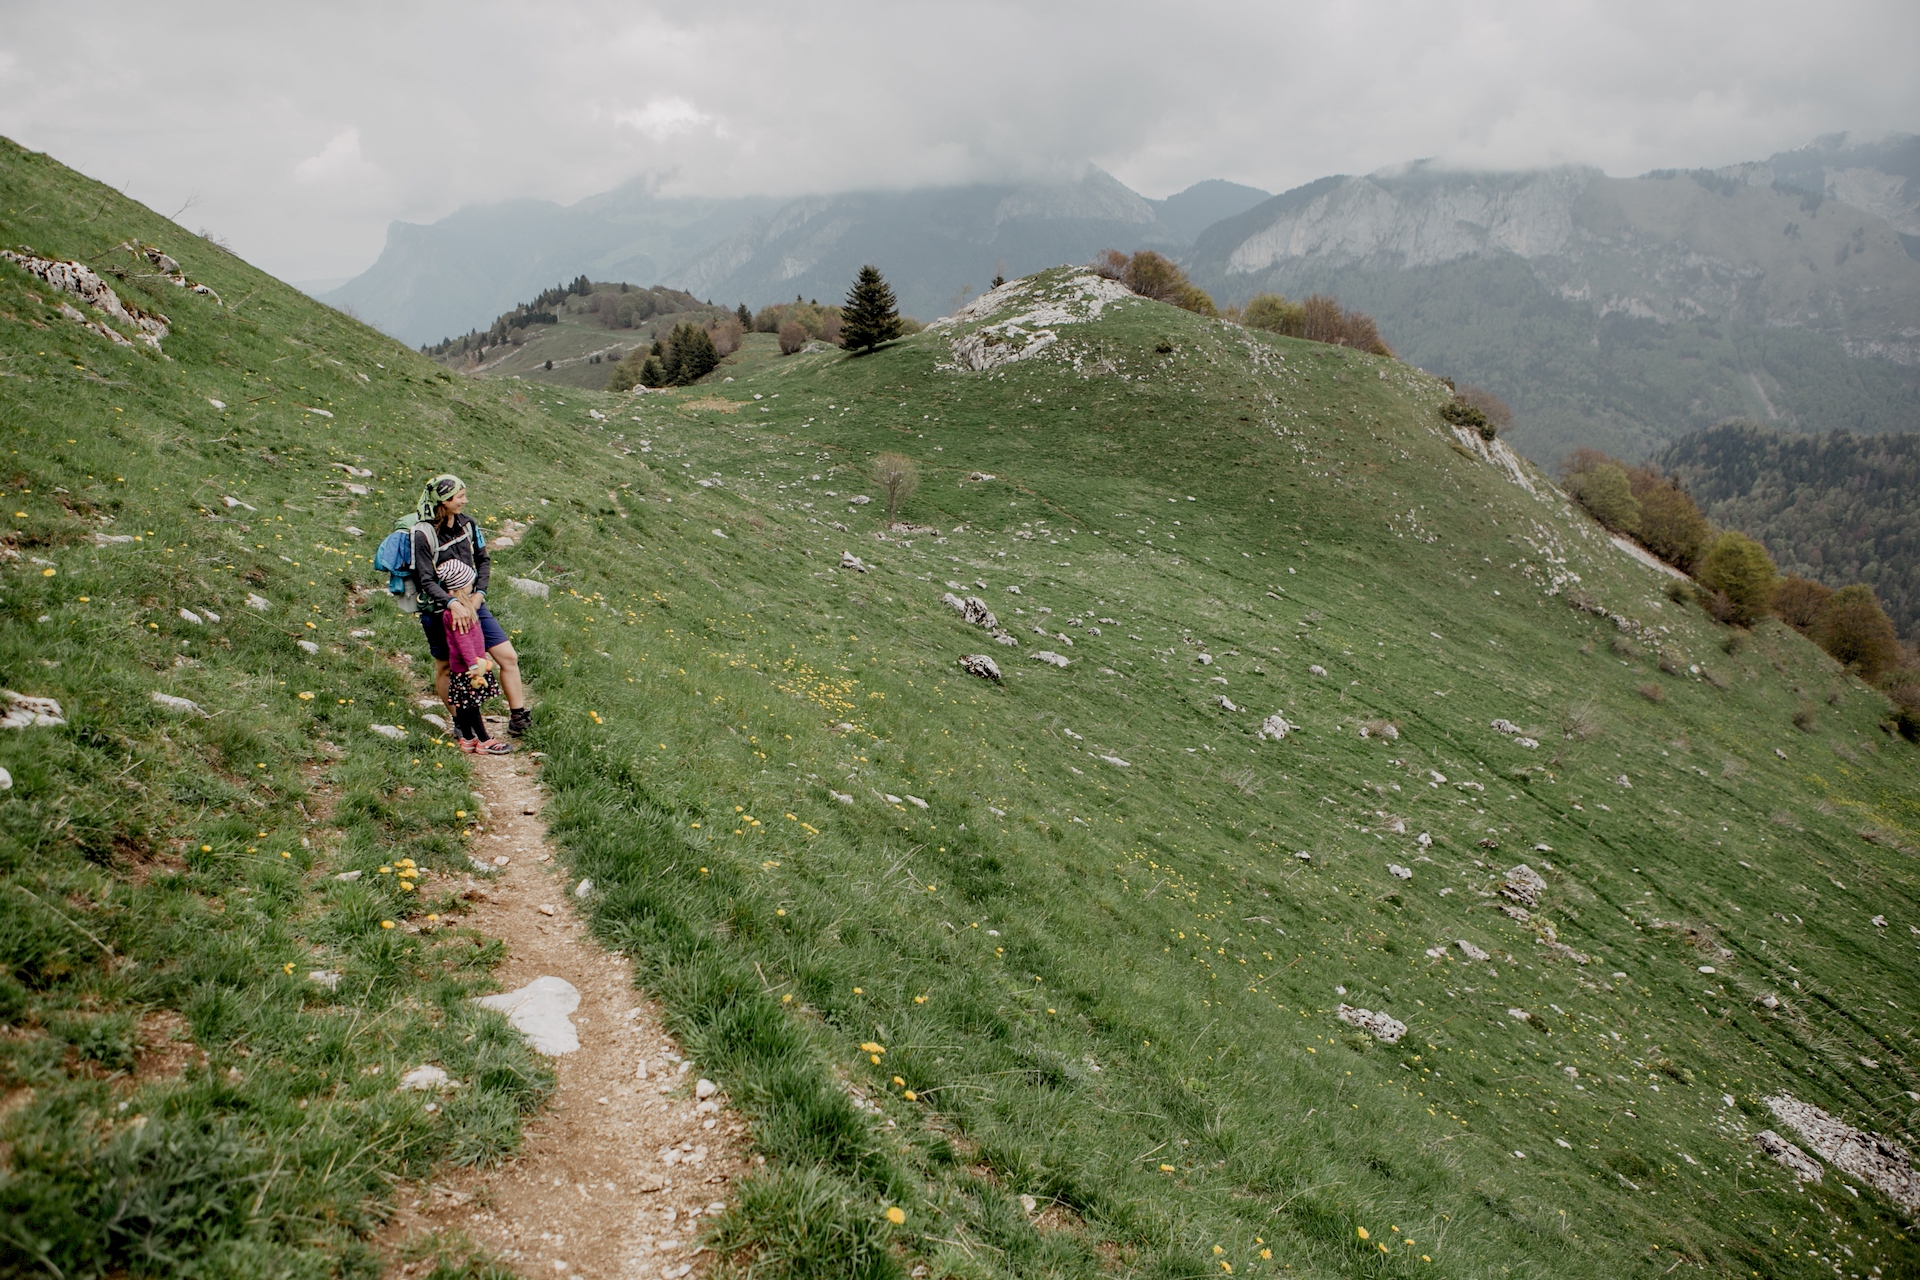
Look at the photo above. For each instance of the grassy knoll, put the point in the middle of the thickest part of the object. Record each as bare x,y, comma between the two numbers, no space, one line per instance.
953,943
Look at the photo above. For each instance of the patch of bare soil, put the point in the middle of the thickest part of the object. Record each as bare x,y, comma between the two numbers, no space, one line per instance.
617,1175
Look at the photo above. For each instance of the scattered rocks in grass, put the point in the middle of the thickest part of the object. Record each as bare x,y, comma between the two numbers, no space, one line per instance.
424,1080
1304,856
1436,953
1001,637
1518,913
979,664
1225,703
848,560
6,780
1874,1160
362,633
1797,1162
233,502
1767,1000
306,646
972,610
1399,872
1051,658
542,1012
704,1088
528,587
1878,922
915,801
390,731
1470,951
1424,840
258,602
84,283
327,978
860,499
1116,762
841,796
188,615
23,712
1505,726
1204,659
349,876
509,534
1383,729
584,889
1622,780
186,706
111,539
1316,670
1523,885
1385,1029
1529,743
1275,727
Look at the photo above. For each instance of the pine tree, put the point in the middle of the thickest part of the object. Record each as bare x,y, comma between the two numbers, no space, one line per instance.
871,316
745,317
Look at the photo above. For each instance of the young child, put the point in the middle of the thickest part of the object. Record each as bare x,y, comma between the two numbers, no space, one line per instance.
470,675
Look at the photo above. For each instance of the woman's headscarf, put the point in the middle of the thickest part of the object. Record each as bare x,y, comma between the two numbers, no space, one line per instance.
438,490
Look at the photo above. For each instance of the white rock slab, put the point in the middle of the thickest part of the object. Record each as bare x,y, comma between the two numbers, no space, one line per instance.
541,1011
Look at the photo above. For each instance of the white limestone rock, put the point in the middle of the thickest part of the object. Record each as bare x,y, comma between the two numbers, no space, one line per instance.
542,1012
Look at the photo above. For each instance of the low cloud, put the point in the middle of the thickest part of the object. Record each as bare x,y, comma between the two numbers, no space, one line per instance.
340,160
662,118
577,96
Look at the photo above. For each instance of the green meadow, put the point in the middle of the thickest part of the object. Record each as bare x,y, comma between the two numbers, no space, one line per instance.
1049,965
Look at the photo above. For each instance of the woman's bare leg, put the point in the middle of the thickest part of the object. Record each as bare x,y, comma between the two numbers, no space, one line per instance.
510,685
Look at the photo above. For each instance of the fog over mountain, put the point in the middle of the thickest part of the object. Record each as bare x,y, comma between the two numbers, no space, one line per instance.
1622,312
938,245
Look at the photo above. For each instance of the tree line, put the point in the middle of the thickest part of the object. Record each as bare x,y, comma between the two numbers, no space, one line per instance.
1735,579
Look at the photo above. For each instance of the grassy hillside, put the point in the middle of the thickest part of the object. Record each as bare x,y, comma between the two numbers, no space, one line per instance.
575,339
950,943
1836,507
1619,383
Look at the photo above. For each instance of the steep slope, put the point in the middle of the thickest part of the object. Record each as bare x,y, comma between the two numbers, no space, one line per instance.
1612,312
1022,977
1837,507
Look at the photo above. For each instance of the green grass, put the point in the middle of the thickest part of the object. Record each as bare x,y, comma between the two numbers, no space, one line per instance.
1109,988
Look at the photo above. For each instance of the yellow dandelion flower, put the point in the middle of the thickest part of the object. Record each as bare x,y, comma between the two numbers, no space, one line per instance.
287,967
911,1096
386,924
1364,1235
898,1080
857,991
1166,1168
869,1046
779,911
1267,1254
919,999
206,848
459,813
305,697
896,1215
787,999
696,826
285,854
48,573
874,1058
1217,1249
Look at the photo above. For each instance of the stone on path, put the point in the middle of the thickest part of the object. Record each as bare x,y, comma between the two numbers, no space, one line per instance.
541,1011
23,712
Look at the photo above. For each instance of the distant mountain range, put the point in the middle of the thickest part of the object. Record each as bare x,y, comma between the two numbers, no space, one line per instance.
1617,312
1622,312
937,246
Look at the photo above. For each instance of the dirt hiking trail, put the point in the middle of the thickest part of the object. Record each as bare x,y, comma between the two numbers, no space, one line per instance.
617,1174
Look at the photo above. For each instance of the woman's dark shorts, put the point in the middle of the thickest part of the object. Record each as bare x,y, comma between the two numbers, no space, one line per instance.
434,624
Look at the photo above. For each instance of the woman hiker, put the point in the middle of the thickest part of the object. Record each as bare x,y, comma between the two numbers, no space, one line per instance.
455,538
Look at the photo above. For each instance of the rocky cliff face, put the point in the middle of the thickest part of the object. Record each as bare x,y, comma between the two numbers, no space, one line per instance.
1739,244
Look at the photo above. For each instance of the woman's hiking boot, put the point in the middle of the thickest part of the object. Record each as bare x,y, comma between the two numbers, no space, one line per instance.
519,720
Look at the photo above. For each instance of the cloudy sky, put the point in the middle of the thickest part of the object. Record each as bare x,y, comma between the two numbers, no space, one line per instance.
297,133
